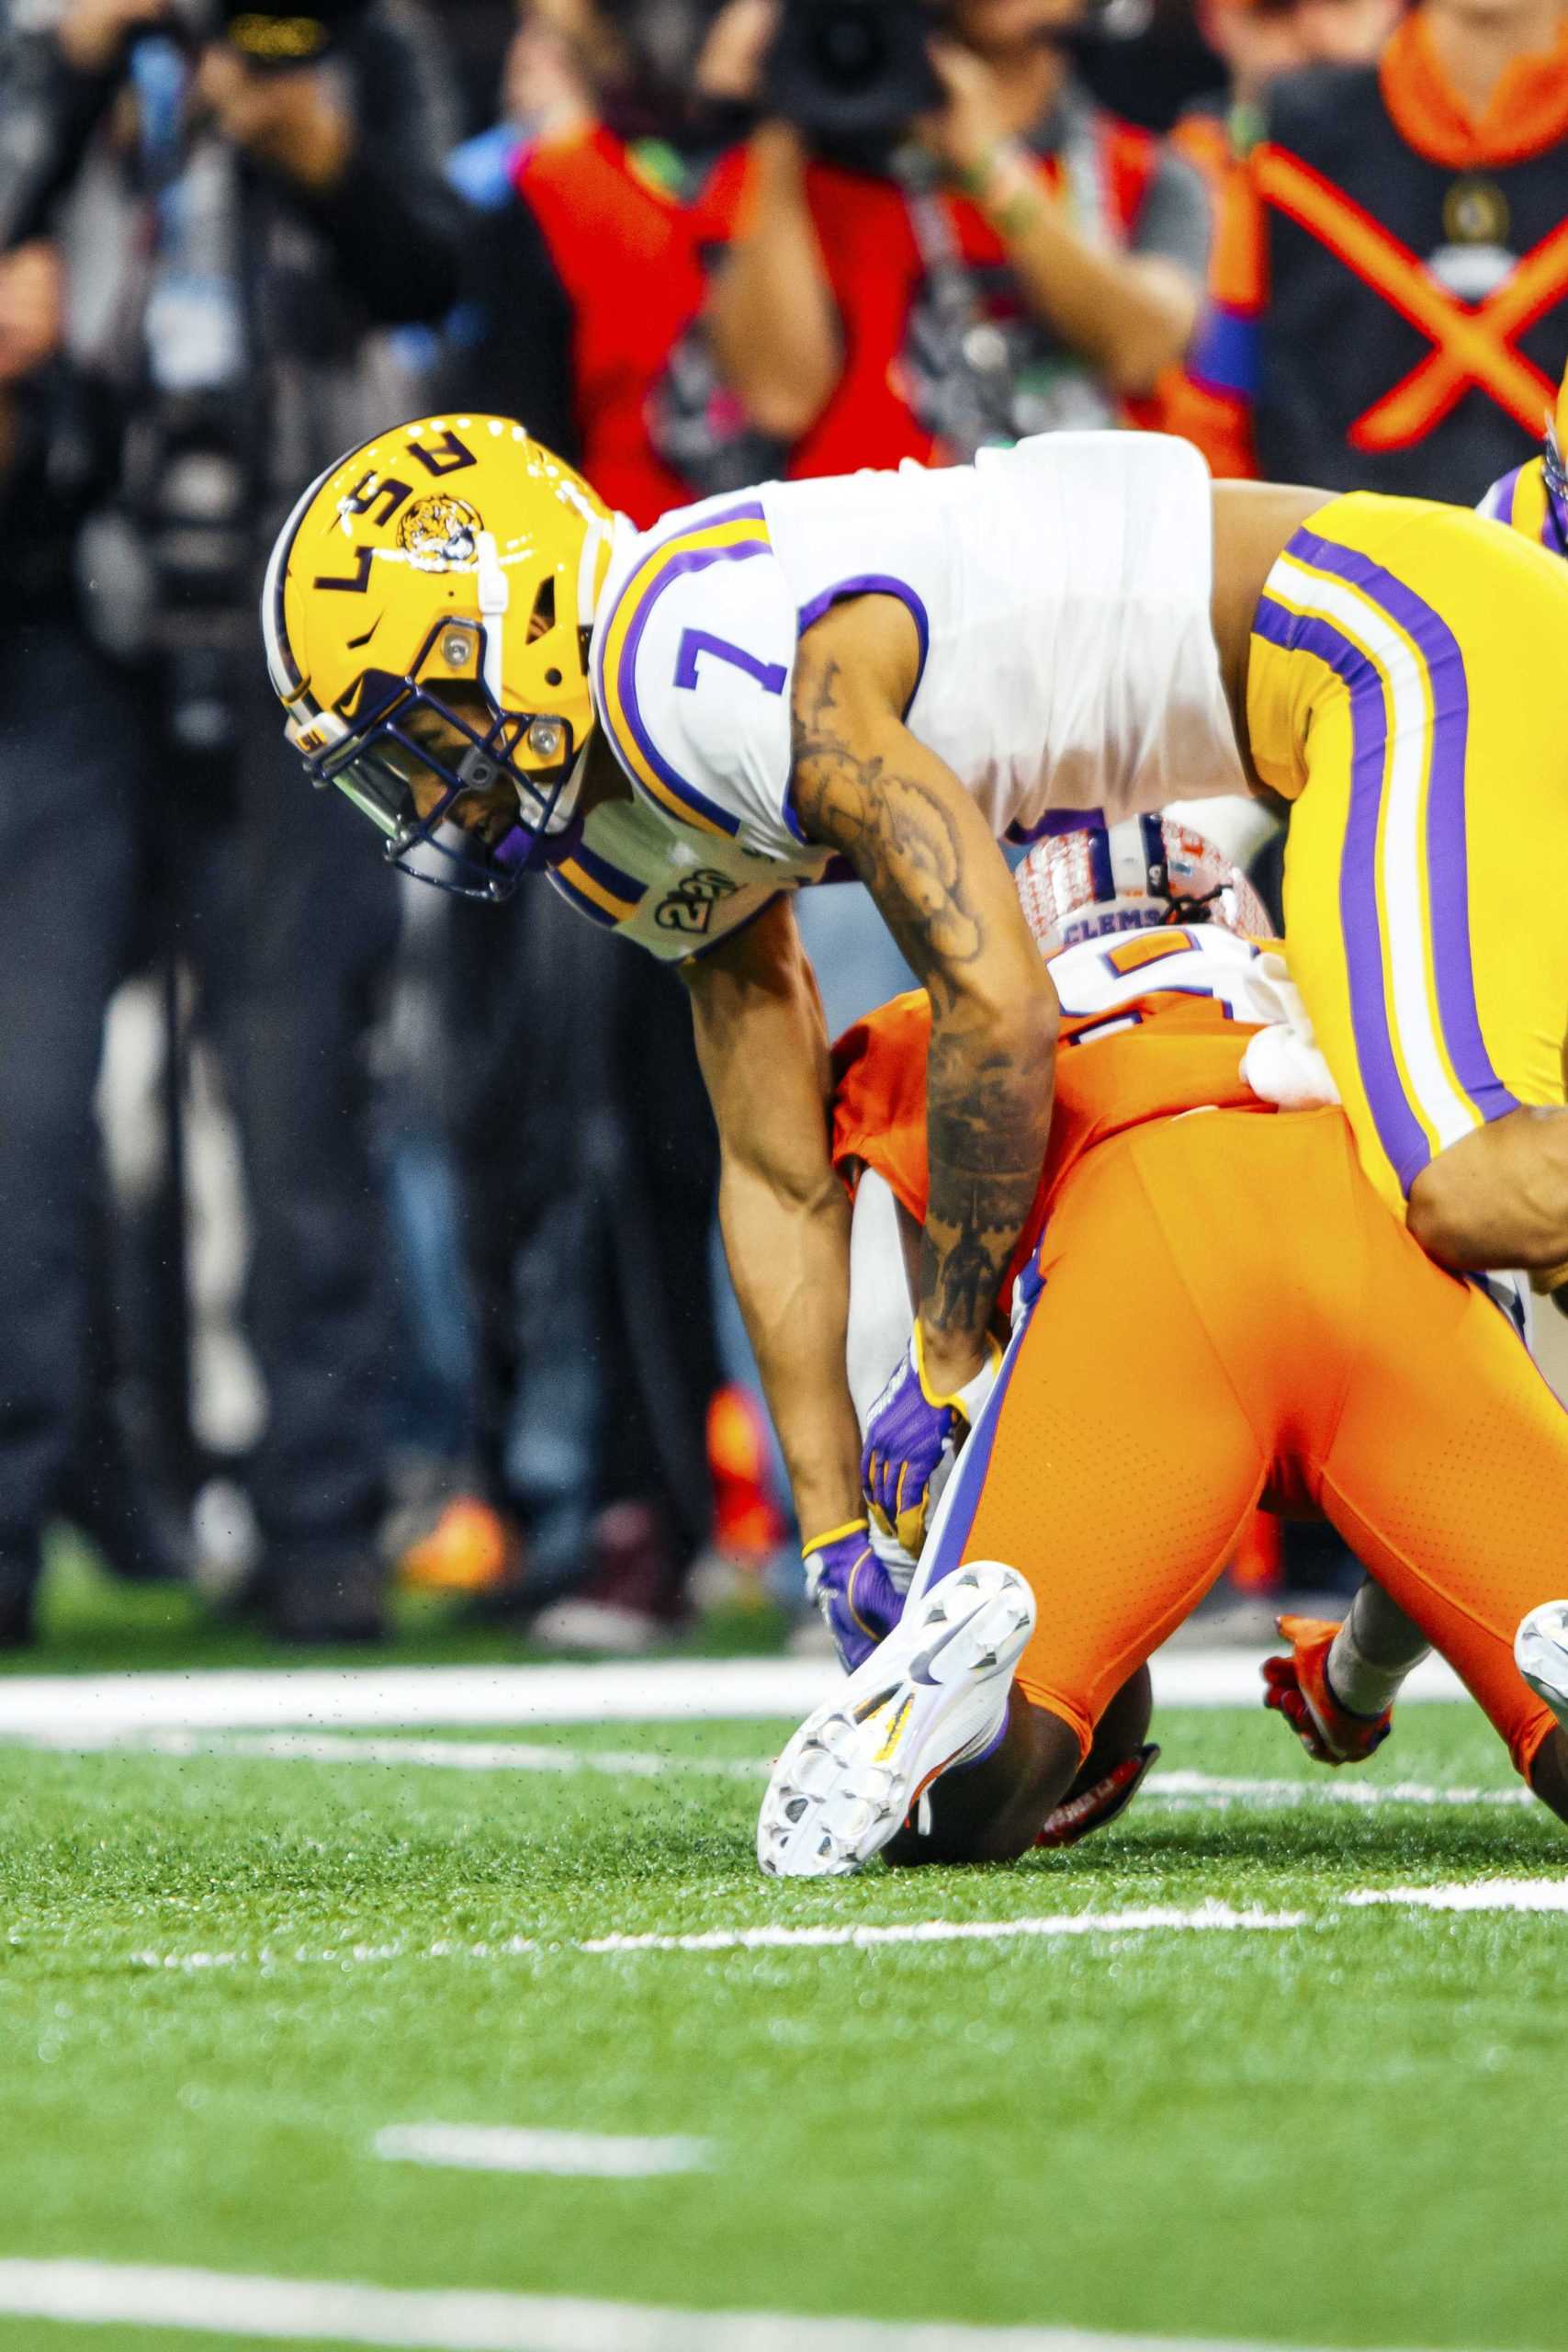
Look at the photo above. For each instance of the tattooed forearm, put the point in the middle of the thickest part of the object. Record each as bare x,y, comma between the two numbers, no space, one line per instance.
988,1117
860,790
891,828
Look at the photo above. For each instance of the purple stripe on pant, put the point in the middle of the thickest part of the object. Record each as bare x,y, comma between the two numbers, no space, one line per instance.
961,1499
1448,856
1399,1131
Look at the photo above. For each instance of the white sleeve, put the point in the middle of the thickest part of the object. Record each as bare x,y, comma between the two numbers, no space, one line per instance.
694,691
882,1311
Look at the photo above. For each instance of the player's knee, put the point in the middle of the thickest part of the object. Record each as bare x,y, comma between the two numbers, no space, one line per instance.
992,1811
1122,1729
1046,1763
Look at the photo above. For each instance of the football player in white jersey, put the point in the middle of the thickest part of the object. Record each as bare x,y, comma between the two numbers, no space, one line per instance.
888,674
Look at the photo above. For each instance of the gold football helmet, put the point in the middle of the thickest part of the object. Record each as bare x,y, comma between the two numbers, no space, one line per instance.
426,613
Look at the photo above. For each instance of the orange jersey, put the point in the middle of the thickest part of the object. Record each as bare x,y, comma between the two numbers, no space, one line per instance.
1152,1058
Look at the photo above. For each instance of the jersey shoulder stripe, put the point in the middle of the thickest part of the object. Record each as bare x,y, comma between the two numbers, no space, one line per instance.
729,537
598,888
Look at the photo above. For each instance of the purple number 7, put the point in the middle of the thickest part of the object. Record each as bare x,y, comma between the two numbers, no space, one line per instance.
770,675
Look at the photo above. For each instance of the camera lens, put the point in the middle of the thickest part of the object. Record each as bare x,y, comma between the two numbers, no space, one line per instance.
851,50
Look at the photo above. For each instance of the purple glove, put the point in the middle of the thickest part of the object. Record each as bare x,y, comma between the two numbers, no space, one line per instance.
858,1598
909,1436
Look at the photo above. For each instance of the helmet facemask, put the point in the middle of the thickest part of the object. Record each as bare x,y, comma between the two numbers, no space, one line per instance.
1556,480
440,766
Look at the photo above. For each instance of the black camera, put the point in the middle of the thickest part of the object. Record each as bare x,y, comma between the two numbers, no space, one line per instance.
853,74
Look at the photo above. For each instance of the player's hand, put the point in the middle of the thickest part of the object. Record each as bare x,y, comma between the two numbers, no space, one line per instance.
910,1436
731,61
970,128
858,1600
1298,1687
290,123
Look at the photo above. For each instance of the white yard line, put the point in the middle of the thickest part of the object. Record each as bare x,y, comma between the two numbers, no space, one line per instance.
768,1936
595,2155
1179,1791
1141,1921
216,2303
345,1747
350,1698
106,1706
1472,1894
1211,1791
1478,1895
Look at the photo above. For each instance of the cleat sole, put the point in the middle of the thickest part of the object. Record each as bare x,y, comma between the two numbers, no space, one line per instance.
853,1771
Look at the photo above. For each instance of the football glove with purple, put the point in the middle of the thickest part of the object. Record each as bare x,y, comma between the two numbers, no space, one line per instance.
908,1437
858,1600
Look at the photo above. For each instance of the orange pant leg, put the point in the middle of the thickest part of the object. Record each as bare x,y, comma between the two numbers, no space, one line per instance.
1116,1465
1449,1473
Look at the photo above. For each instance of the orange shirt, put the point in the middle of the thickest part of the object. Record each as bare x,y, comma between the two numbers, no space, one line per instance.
1153,1059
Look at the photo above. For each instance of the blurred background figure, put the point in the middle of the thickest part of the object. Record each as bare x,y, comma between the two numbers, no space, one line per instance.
943,241
598,206
1390,291
236,199
1256,41
584,1150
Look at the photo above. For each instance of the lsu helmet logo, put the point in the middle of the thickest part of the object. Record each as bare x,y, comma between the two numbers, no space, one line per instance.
439,532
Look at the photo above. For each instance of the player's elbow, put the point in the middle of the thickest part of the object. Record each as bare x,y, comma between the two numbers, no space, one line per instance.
1439,1217
1013,1011
1498,1197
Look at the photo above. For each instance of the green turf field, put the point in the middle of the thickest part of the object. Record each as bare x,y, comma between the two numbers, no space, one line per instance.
223,1976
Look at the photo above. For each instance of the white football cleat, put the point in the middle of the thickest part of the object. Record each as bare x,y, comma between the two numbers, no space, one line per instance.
931,1695
1541,1652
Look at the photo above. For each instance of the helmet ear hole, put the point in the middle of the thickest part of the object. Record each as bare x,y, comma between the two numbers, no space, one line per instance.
543,618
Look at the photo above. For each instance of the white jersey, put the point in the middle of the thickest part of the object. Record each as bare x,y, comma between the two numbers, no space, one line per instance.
1060,594
1098,979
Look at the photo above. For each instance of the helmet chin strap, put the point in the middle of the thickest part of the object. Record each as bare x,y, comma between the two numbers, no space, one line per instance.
613,535
495,594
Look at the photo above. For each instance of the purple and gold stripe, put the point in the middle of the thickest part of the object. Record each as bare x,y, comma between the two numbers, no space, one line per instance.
600,889
1447,855
729,537
1401,1133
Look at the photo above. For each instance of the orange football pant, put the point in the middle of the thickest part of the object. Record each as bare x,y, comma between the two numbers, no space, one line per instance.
1230,1315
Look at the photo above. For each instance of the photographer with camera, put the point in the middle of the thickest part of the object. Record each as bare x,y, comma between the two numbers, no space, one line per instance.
240,196
945,242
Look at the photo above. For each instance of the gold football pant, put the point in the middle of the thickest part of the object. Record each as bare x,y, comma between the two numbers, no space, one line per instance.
1408,692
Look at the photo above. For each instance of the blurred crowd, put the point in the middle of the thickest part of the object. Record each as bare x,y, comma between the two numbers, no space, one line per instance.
346,1228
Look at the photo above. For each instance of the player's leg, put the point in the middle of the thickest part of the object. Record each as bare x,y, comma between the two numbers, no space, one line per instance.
1407,683
1448,1472
998,1807
1103,1485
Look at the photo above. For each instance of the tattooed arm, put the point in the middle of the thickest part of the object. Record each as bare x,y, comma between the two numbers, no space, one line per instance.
763,1050
864,785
